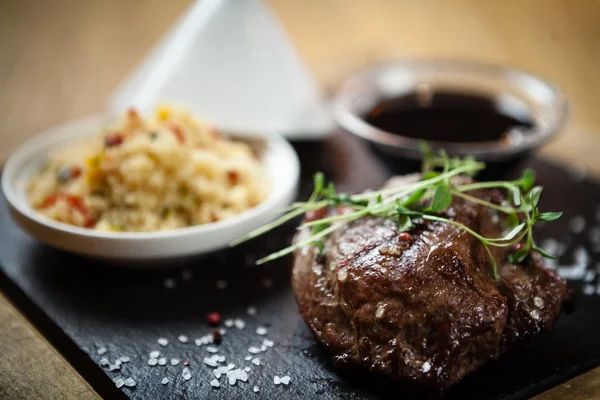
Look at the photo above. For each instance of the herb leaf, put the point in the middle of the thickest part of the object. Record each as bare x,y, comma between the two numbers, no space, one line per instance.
549,216
441,199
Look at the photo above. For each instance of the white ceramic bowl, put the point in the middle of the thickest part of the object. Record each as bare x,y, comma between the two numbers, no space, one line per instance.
277,156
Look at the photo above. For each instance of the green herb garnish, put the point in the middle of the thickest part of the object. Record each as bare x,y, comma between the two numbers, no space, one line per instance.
425,199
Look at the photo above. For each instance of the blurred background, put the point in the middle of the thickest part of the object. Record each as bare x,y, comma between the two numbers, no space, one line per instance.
62,59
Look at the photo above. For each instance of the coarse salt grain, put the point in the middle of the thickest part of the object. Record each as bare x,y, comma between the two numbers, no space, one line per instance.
215,383
426,366
261,330
163,342
538,302
248,358
247,369
129,382
212,349
114,367
588,289
255,389
268,343
589,276
175,361
165,380
276,380
263,348
577,224
253,350
119,382
155,354
285,380
183,338
186,374
169,283
104,361
342,274
255,361
101,351
162,361
251,310
211,361
380,311
152,362
235,375
228,323
221,284
239,323
124,359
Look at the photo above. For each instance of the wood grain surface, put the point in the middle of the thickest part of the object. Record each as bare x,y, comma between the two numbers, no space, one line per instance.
61,59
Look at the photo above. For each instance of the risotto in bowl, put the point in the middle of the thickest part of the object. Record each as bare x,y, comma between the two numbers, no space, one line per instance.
136,188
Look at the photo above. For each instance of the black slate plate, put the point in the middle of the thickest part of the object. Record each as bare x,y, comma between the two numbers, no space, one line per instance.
81,305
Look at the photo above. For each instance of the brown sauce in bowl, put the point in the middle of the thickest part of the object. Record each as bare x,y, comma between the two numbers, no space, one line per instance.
446,116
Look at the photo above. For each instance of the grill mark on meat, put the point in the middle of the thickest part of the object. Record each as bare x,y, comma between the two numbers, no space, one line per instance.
442,315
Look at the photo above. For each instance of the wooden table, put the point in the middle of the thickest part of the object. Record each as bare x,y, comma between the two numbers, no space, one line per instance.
61,59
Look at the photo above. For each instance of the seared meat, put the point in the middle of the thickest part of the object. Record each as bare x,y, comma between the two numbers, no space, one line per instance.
426,312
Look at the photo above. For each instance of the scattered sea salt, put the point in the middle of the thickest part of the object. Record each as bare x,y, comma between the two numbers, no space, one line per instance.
253,350
426,366
186,374
155,354
152,362
114,367
251,310
221,284
162,361
165,380
229,323
276,380
263,348
169,283
124,359
255,389
119,382
230,366
187,274
589,276
211,361
535,314
215,383
175,361
248,358
577,270
129,382
268,343
247,369
235,375
577,224
588,289
163,342
239,323
102,351
261,330
183,338
212,349
255,361
104,361
285,380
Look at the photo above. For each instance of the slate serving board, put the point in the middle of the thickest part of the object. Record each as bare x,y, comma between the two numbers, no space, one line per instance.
82,305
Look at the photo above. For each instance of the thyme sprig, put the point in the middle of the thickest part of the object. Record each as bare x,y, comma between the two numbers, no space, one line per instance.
426,199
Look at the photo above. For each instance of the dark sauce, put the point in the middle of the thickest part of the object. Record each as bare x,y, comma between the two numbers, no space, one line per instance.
446,117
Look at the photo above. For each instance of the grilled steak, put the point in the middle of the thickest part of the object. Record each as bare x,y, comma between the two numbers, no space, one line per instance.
424,312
